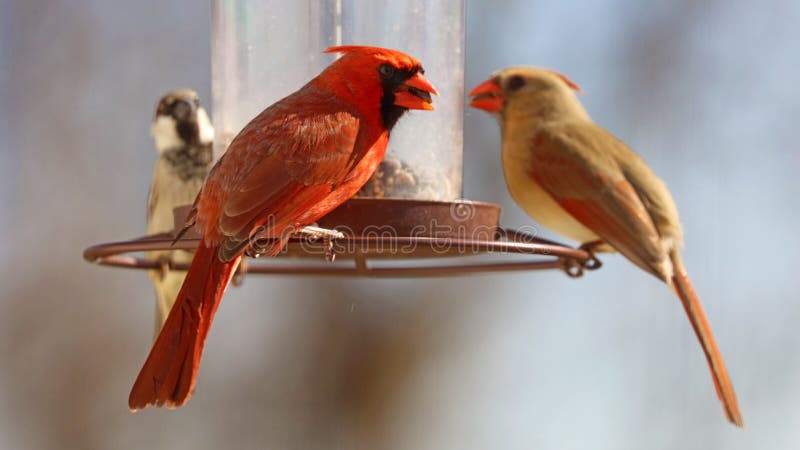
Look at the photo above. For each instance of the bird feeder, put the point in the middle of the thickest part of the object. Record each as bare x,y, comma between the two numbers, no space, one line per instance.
410,212
264,50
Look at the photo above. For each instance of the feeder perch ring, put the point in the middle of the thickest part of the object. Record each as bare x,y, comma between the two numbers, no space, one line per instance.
414,250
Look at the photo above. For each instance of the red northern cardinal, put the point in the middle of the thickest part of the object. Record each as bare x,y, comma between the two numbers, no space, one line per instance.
183,136
295,162
576,178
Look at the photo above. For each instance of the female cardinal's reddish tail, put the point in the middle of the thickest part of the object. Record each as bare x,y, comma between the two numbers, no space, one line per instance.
697,317
292,164
169,373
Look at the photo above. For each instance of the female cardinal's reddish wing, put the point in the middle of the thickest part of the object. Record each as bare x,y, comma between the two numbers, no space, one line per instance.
601,199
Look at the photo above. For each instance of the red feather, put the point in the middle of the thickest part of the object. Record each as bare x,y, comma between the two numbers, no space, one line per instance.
295,162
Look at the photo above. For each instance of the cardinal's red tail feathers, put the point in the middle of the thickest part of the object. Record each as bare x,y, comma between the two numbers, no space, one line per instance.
697,317
169,373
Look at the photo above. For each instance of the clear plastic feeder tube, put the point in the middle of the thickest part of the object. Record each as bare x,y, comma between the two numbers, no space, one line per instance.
264,50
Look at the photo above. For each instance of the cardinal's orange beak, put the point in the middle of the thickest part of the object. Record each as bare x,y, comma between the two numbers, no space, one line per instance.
415,93
487,96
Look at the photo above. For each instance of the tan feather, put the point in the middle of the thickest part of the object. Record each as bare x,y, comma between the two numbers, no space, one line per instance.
576,178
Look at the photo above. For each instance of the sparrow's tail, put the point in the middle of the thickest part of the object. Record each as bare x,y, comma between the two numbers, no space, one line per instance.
691,303
169,373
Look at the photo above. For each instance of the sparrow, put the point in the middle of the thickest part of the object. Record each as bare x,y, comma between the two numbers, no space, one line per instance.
183,136
574,177
292,164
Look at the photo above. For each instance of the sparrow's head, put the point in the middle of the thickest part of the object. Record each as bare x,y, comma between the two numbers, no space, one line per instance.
534,91
379,80
180,121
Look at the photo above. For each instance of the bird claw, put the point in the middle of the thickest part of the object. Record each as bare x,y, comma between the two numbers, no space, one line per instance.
319,233
592,263
328,236
574,268
330,255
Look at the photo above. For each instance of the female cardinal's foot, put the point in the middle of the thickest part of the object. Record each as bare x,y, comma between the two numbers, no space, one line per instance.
591,247
574,268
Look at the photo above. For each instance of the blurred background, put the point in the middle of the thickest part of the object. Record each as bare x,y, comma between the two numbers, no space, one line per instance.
705,91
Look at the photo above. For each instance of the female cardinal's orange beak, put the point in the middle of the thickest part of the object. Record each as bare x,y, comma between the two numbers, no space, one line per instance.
487,96
415,93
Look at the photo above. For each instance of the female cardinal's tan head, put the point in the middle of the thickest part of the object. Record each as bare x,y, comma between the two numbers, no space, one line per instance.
530,91
380,82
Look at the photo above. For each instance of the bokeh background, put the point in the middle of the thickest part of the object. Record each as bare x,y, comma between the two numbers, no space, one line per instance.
706,91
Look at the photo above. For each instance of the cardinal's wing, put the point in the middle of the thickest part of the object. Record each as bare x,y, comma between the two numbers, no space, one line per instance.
577,164
280,165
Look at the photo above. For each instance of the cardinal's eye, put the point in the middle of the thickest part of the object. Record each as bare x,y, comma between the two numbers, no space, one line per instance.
515,83
386,70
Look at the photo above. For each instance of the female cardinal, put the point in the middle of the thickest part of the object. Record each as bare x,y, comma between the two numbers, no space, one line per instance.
184,137
576,178
295,162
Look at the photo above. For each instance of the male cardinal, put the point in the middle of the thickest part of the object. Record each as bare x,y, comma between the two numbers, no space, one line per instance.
295,162
576,178
183,136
